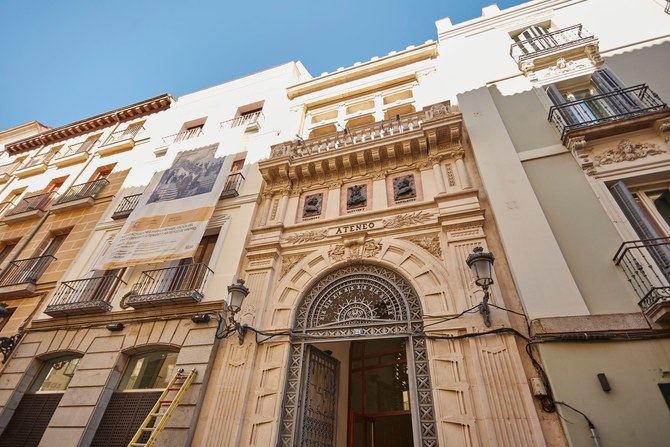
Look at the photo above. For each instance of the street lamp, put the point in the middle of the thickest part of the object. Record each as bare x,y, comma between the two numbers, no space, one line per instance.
237,292
481,268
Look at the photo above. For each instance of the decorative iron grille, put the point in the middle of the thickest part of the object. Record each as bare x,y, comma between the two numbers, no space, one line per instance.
89,295
609,107
175,285
125,134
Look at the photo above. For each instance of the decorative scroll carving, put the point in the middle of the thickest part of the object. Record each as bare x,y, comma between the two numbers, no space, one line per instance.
307,236
429,242
355,249
404,220
626,150
7,345
288,262
450,176
438,111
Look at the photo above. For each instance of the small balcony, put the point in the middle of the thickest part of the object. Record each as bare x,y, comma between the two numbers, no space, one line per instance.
183,284
33,166
646,264
251,121
79,196
183,135
29,207
75,153
547,48
126,206
20,277
623,110
6,171
84,296
119,141
233,186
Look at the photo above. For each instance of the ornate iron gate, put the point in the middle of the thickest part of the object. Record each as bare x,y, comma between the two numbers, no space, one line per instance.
356,301
319,402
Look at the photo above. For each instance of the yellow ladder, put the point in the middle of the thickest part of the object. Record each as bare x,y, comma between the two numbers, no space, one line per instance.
170,398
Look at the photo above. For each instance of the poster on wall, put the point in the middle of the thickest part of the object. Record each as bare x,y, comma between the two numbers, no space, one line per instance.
172,213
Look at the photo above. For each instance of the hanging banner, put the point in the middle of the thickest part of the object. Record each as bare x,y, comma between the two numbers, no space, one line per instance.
172,214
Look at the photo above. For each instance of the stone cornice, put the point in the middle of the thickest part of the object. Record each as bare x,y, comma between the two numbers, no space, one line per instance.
152,105
427,50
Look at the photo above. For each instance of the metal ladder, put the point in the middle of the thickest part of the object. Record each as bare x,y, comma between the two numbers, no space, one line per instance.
156,420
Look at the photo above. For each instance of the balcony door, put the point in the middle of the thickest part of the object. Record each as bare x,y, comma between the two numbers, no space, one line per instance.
191,271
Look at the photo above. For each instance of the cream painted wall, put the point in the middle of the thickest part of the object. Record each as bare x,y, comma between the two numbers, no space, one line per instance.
634,412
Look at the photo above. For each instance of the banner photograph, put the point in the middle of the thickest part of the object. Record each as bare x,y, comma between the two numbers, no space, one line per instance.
172,214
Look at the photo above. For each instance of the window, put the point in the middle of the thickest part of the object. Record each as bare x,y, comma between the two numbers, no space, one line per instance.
149,370
5,320
55,184
55,375
52,245
6,249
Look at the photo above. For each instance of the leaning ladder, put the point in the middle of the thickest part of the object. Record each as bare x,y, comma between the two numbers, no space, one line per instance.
170,398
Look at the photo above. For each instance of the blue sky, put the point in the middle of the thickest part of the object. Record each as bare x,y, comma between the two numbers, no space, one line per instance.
61,61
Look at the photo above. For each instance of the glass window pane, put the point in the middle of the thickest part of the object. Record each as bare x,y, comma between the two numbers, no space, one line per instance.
55,374
386,389
661,201
149,370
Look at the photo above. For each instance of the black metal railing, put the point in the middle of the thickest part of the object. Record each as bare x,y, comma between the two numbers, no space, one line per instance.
37,160
84,291
34,202
613,106
183,135
233,185
126,206
83,191
182,278
647,266
126,134
550,42
23,271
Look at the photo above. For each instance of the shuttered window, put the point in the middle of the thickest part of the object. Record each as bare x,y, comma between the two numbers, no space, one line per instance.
124,414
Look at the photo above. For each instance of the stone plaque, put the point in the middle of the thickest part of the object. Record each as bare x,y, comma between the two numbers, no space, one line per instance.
357,196
312,206
404,187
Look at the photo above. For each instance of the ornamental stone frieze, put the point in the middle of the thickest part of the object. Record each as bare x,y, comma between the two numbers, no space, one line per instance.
359,248
429,242
626,150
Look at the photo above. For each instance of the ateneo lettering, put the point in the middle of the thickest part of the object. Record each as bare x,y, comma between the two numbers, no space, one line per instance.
355,227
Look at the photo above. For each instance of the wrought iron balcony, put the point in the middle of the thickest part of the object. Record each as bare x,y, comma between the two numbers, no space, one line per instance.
31,206
233,185
646,264
80,148
80,195
553,42
183,284
126,206
19,278
120,140
250,120
34,165
6,171
616,106
183,135
84,296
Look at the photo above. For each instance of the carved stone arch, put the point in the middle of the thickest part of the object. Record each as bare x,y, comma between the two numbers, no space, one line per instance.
426,274
321,298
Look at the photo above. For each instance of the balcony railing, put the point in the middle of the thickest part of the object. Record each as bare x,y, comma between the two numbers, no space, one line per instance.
646,264
233,185
173,285
35,202
84,296
78,148
126,206
183,135
24,271
244,120
551,42
82,191
37,160
613,106
8,168
122,135
362,134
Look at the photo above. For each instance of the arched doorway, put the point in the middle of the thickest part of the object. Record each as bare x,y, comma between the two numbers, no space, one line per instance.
362,305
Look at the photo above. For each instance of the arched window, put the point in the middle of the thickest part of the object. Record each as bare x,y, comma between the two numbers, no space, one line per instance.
32,415
146,375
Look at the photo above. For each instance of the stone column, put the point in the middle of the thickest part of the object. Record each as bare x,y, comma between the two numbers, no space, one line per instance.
333,204
439,178
379,199
265,209
463,173
283,203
